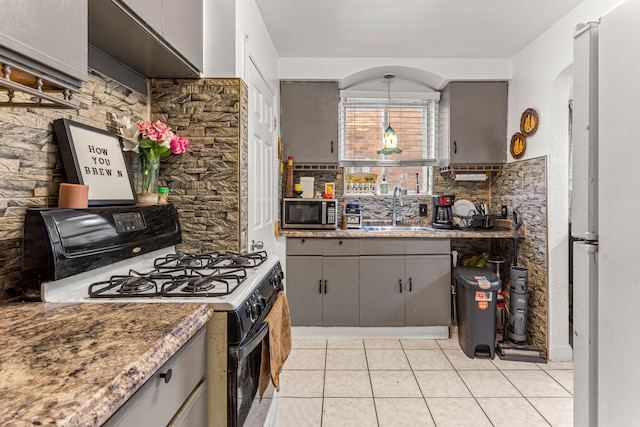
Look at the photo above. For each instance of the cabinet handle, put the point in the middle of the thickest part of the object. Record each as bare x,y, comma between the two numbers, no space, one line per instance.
325,286
455,147
332,146
340,243
410,285
302,242
320,289
167,376
400,285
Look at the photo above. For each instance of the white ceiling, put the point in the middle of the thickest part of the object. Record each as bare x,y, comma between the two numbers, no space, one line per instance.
408,28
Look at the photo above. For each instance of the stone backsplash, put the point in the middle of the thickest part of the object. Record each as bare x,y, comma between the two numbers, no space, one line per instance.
523,185
208,186
30,165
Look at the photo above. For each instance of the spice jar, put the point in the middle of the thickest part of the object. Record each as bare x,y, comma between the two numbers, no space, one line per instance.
163,195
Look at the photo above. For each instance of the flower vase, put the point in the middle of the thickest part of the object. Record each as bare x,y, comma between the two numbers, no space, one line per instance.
147,178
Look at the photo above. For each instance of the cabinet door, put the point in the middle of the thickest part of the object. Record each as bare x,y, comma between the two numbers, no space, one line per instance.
149,10
428,290
304,291
382,291
477,122
309,121
183,29
53,33
340,302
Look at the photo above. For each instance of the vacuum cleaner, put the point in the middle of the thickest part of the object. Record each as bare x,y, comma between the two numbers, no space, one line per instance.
514,340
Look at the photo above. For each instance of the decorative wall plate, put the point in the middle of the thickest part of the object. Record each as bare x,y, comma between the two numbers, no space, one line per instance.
518,145
529,122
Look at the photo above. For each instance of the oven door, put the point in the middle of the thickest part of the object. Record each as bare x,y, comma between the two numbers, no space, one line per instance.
243,375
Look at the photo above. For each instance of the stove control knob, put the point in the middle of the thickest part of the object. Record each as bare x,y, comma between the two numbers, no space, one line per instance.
256,309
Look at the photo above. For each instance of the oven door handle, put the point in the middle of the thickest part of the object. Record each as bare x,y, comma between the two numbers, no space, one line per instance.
247,348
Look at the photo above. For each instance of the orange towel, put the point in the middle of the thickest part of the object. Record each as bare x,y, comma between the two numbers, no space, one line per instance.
277,345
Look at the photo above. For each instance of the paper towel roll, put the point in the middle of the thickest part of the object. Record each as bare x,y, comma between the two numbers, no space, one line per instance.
74,196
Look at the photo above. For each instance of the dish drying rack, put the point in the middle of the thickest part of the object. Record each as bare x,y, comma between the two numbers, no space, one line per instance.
473,220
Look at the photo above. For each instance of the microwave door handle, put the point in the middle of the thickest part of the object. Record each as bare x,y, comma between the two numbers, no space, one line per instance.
246,349
324,213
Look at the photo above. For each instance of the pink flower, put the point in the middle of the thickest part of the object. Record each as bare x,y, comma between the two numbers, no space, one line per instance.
157,131
179,144
144,128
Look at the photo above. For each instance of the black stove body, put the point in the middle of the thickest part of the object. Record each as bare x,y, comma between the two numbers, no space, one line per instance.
60,243
89,255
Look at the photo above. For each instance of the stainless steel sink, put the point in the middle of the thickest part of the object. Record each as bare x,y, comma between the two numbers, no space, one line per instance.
395,228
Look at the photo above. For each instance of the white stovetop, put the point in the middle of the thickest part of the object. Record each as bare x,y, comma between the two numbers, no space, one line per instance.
75,288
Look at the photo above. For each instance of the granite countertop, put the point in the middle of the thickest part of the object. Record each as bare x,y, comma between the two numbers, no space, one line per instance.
503,230
76,364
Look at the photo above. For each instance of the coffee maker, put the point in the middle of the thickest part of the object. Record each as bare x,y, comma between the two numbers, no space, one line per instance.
442,213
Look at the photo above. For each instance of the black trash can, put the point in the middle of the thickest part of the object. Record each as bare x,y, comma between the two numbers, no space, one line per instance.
477,294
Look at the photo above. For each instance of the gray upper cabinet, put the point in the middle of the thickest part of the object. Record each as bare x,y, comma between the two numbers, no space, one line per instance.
149,11
182,25
473,123
154,38
49,33
309,121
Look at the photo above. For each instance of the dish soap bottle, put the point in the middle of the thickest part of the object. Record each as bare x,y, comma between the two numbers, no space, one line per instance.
384,186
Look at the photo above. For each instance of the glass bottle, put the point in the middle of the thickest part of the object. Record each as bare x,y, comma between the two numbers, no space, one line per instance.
403,183
384,186
163,195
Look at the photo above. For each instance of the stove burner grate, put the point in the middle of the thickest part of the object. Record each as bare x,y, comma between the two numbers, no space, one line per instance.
183,260
204,285
234,260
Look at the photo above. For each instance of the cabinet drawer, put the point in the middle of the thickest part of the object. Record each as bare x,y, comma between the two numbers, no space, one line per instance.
382,246
339,247
158,401
304,246
427,246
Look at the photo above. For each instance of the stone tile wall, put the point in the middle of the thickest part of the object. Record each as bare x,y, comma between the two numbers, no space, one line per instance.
523,185
207,185
475,192
30,165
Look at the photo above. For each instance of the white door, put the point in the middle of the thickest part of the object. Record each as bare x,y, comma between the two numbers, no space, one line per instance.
263,161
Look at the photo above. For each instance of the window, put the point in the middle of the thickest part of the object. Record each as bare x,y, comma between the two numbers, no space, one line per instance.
363,121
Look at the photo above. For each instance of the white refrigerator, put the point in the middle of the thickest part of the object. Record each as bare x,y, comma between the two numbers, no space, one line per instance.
605,197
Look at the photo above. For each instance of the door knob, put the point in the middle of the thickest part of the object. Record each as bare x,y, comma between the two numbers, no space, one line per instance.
256,245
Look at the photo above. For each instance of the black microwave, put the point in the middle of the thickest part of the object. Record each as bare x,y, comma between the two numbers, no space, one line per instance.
309,213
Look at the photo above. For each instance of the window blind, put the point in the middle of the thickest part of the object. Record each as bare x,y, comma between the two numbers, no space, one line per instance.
363,122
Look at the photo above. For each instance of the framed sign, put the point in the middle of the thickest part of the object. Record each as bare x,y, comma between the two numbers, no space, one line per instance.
94,157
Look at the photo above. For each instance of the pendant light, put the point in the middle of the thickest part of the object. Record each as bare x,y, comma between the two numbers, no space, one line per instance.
390,139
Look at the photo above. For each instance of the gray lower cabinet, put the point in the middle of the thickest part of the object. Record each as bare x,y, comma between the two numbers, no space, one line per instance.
405,282
175,395
410,290
369,282
428,290
304,290
322,290
382,299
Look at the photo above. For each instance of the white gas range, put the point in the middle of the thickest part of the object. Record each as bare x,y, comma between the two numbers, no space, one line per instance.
128,254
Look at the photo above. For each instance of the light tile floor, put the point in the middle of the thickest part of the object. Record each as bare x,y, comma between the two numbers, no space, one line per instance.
396,383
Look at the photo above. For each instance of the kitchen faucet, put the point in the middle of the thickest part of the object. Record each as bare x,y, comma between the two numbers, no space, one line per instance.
397,217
